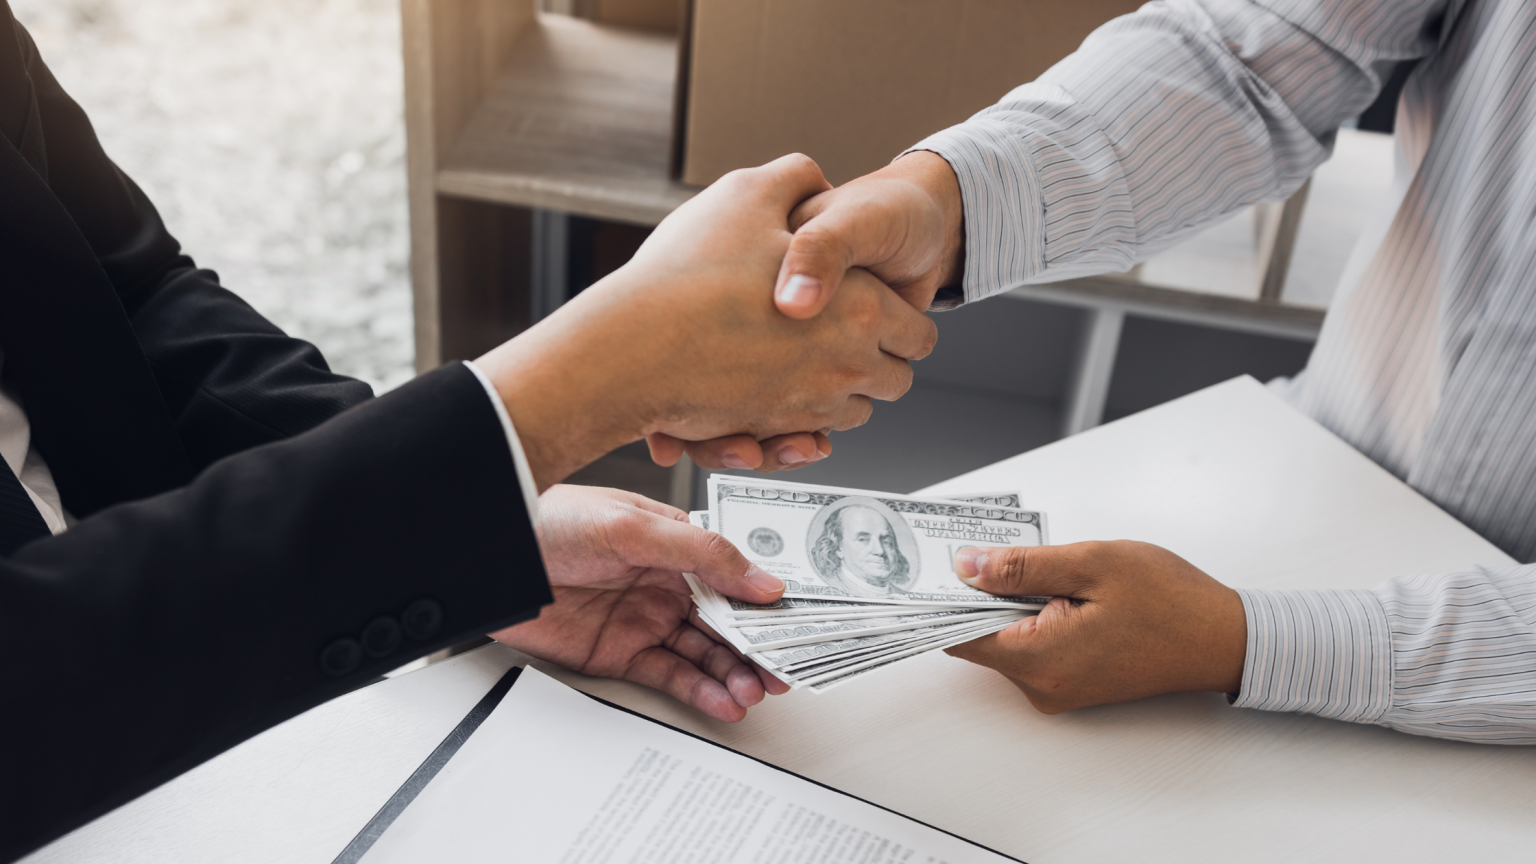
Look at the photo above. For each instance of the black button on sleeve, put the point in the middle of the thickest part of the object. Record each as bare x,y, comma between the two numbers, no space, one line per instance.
341,657
381,637
422,619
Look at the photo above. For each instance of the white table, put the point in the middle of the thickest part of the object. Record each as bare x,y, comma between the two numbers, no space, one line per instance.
1230,477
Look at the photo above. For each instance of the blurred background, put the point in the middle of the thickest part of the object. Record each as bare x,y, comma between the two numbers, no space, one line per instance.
273,137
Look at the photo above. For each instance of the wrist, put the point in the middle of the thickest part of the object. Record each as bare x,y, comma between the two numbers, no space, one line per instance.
1226,649
571,396
933,174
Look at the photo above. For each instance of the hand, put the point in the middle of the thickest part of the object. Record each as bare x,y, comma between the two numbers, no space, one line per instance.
615,562
684,340
1126,621
904,223
779,453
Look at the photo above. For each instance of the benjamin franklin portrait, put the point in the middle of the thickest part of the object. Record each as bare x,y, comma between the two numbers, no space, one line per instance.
857,544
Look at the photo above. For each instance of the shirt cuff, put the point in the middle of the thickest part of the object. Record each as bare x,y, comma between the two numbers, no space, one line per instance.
1003,205
519,460
1327,653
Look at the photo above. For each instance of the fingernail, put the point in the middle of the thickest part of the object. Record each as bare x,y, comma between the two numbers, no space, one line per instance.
969,563
800,290
731,460
791,456
762,580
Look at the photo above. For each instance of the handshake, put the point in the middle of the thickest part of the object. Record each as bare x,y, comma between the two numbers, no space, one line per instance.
762,314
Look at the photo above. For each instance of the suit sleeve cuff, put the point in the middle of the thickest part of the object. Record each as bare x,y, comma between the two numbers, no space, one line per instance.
1317,652
519,460
1001,196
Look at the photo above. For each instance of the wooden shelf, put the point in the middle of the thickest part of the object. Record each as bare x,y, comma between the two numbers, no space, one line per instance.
579,120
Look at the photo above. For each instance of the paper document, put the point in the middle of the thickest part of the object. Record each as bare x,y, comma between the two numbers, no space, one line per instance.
555,776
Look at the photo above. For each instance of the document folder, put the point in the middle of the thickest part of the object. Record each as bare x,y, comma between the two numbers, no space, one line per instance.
540,772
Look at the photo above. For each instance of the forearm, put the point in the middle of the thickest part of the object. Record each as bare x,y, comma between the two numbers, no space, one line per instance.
231,379
164,631
1448,656
1163,122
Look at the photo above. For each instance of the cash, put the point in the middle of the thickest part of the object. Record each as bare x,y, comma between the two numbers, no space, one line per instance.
869,576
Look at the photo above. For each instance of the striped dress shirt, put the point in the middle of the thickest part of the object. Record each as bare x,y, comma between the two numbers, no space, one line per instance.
1180,114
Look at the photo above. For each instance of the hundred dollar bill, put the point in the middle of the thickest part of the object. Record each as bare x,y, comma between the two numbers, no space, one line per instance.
791,607
823,609
838,544
731,612
804,659
814,672
725,610
820,674
872,648
770,636
823,683
787,617
788,661
994,499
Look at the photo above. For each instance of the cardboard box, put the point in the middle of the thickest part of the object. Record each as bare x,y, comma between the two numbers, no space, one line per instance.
662,15
852,83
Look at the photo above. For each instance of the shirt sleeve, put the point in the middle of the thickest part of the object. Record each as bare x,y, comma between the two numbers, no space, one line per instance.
525,482
1163,122
1448,656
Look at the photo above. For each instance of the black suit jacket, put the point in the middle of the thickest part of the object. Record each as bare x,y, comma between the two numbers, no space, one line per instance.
257,534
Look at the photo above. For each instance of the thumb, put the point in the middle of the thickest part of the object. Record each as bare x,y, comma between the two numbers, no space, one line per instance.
676,544
820,252
1018,571
721,566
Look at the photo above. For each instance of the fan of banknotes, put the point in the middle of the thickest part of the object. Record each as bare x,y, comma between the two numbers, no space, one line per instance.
869,578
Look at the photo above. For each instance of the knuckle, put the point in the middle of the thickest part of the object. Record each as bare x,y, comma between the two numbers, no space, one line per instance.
623,526
865,410
816,243
682,683
716,548
742,180
800,163
846,414
614,516
718,658
901,381
928,340
1011,563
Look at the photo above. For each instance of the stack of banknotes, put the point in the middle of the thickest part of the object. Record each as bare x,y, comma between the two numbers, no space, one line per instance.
869,576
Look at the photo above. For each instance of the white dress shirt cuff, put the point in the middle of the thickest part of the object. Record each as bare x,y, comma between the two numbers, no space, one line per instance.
519,460
1004,213
1318,652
